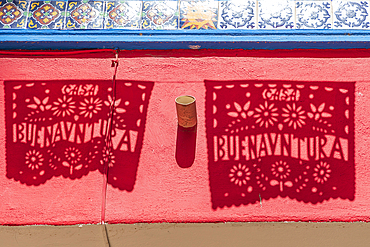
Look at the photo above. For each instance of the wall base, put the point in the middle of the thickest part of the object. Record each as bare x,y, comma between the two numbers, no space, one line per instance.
204,234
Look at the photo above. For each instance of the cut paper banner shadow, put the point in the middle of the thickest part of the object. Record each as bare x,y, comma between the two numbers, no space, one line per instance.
59,128
280,138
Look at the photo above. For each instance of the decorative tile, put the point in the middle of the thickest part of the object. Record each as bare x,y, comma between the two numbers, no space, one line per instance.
351,15
160,15
85,15
237,14
46,15
123,14
276,14
198,14
13,14
313,15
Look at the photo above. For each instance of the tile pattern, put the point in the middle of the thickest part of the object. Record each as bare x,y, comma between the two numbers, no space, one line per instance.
237,14
160,15
313,15
85,15
351,14
185,14
46,15
276,14
122,14
13,14
198,14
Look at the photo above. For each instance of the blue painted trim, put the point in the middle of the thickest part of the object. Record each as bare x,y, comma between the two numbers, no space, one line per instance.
27,39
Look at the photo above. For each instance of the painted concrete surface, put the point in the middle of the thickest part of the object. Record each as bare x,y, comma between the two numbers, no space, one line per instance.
164,191
204,234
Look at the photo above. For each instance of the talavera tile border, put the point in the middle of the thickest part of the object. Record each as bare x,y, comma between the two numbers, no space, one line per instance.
186,14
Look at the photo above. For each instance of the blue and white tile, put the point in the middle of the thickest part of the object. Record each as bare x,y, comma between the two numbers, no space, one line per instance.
237,14
276,14
123,14
202,14
160,15
314,15
351,14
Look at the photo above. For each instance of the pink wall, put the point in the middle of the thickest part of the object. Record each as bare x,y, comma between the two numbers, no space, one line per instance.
163,191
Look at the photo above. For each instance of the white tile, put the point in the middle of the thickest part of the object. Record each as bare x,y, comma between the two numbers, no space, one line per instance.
237,14
351,15
314,15
276,14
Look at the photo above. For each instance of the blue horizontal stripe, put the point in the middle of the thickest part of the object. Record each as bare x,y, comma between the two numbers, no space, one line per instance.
183,39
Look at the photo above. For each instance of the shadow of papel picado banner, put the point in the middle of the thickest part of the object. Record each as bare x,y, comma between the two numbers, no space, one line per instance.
59,128
280,138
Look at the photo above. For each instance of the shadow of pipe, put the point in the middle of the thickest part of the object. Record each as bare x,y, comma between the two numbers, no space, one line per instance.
186,146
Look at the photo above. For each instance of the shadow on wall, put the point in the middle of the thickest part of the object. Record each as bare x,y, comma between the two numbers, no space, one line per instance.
56,128
186,141
280,138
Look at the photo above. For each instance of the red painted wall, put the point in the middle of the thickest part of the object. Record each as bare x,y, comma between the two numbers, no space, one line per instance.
163,191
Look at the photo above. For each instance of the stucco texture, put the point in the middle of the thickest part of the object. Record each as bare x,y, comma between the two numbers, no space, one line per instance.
163,190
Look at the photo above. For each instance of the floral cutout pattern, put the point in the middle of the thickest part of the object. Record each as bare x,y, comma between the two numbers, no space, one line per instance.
274,138
64,106
281,171
322,172
39,105
294,116
266,114
34,159
90,107
240,175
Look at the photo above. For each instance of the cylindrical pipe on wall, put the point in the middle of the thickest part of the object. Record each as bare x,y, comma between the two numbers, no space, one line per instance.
186,111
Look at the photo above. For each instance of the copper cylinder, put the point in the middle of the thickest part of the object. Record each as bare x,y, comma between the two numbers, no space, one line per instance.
186,111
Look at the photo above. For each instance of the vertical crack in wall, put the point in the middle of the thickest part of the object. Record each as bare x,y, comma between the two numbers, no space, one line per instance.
109,146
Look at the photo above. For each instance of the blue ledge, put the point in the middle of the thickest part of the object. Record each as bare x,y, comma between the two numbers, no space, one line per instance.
26,39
